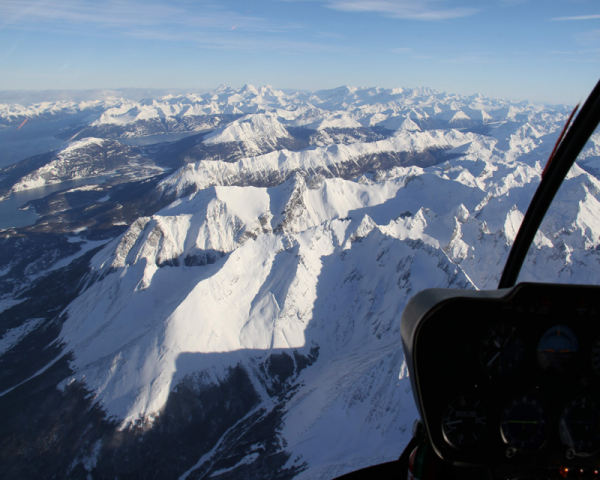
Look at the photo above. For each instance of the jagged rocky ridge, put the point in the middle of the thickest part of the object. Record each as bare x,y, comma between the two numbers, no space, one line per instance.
250,327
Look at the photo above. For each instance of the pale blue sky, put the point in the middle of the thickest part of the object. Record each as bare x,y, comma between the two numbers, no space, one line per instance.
545,51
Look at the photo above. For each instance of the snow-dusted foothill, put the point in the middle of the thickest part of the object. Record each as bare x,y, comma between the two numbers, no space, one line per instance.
78,160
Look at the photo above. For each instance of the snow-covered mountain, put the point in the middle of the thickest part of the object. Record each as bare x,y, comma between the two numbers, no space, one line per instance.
248,327
340,108
80,159
15,114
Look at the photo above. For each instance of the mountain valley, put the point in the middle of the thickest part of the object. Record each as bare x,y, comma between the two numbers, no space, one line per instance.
228,305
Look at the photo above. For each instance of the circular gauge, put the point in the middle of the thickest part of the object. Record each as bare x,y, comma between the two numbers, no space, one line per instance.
524,424
464,421
580,426
501,350
557,348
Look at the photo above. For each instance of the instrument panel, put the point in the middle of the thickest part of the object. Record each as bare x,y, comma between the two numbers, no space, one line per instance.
509,377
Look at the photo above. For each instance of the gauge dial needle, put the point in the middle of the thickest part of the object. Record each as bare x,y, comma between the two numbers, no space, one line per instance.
524,421
493,358
454,422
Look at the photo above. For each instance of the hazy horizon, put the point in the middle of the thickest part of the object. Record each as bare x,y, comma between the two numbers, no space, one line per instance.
30,97
542,51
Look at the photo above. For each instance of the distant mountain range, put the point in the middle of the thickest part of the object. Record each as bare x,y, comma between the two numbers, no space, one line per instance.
228,305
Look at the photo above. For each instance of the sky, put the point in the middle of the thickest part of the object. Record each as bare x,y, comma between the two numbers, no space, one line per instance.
545,51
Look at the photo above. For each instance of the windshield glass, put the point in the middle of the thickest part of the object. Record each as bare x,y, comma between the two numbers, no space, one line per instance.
566,248
213,214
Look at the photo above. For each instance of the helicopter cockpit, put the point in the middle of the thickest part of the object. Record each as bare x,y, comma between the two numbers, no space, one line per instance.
517,394
507,382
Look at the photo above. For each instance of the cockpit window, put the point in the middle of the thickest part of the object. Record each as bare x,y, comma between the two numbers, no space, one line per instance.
566,248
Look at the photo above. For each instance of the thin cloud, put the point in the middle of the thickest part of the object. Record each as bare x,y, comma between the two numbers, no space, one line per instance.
121,15
581,17
329,35
575,52
9,52
400,50
108,13
403,9
208,25
235,42
582,60
589,38
470,58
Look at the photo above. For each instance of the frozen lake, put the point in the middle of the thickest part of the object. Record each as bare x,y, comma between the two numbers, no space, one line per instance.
11,216
33,138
